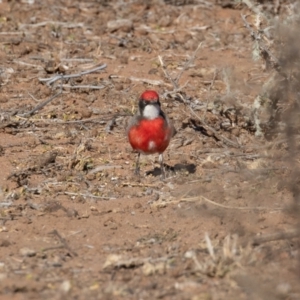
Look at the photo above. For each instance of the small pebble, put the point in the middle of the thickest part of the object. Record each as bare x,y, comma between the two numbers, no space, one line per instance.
120,24
27,252
283,289
65,286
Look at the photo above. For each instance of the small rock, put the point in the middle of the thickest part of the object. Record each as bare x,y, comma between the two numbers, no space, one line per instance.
124,60
71,212
283,289
27,252
153,71
65,286
137,205
148,269
191,44
3,276
3,229
155,197
149,192
5,243
235,131
182,38
151,269
202,296
121,24
46,159
209,165
85,112
119,87
113,226
90,176
165,21
153,38
56,262
112,260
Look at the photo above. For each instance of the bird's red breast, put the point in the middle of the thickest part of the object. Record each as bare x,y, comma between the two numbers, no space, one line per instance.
150,136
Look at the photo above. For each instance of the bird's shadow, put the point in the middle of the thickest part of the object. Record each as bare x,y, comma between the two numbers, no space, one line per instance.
190,168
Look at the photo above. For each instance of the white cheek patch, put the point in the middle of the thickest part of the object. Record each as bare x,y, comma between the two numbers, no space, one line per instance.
151,111
151,145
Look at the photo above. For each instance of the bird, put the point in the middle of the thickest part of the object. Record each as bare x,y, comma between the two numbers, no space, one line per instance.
149,131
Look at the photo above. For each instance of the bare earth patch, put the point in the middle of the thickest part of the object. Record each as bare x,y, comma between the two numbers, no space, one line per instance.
75,222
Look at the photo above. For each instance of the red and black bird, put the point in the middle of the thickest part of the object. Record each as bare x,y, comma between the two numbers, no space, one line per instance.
150,130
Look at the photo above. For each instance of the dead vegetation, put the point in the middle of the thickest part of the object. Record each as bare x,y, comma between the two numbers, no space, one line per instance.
74,220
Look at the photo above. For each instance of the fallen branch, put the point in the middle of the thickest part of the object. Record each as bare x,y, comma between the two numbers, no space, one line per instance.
175,82
167,75
97,120
41,105
251,6
55,23
28,64
219,137
63,242
87,195
265,53
90,87
209,90
190,199
290,234
51,80
11,33
149,81
197,198
186,65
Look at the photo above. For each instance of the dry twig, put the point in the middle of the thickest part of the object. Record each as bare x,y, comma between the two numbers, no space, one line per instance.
222,138
51,80
186,65
88,195
54,23
41,105
197,198
264,51
90,87
63,242
290,234
167,75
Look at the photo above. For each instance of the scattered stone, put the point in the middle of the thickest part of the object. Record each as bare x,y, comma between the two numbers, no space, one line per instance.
283,289
165,22
137,205
151,269
3,276
46,159
112,260
85,112
209,165
72,213
27,252
65,286
1,150
5,243
120,24
56,262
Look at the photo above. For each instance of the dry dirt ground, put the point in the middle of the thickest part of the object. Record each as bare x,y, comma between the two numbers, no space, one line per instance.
75,222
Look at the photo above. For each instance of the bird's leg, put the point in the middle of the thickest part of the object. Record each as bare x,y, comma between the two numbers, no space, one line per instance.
137,165
162,169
